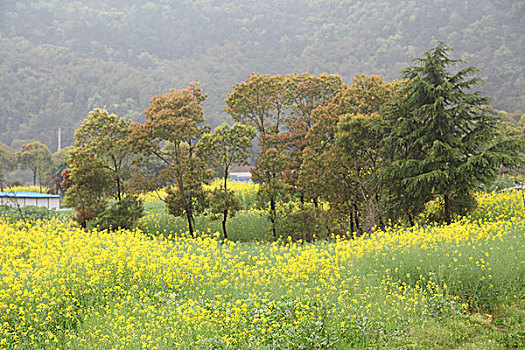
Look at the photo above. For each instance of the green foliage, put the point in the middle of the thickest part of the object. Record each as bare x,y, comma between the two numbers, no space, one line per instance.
120,214
223,201
501,182
268,172
101,162
434,210
54,178
36,157
225,147
245,226
106,137
85,186
342,154
171,130
29,213
8,160
301,221
61,59
441,141
192,203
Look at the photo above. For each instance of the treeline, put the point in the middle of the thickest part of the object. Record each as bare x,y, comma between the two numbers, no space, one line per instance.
61,59
332,157
45,167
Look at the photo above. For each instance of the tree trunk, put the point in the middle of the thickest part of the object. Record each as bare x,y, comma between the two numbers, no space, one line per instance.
379,215
356,217
118,189
448,216
410,218
224,224
352,225
272,216
190,222
187,205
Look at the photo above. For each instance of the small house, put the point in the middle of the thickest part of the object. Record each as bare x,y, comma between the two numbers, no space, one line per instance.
50,201
240,174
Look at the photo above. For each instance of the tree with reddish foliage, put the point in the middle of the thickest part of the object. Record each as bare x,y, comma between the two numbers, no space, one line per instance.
170,133
85,184
260,101
305,93
342,155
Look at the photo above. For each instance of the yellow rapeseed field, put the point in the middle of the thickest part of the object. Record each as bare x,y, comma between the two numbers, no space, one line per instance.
241,189
35,188
64,287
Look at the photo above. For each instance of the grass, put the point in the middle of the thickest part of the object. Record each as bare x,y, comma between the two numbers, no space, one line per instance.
246,226
503,329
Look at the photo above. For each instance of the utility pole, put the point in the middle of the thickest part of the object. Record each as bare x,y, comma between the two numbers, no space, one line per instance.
59,138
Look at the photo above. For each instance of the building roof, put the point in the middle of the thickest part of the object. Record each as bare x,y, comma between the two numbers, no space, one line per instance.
25,194
242,169
240,174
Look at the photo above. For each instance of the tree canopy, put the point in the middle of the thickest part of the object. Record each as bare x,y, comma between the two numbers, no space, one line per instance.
61,59
441,140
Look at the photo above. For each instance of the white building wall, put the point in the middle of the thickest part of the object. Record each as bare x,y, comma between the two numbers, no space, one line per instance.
54,203
28,201
49,203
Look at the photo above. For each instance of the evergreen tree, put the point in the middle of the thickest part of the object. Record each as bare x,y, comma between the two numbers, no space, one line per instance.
441,141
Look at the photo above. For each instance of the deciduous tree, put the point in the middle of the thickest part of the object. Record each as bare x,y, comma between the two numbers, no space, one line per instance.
85,184
342,153
224,147
106,137
8,160
260,101
172,128
305,93
36,157
359,135
268,172
101,162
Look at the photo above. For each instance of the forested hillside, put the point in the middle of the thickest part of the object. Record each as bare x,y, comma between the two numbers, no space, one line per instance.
59,59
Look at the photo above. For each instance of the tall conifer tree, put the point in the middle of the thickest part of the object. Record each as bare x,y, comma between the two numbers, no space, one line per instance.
441,140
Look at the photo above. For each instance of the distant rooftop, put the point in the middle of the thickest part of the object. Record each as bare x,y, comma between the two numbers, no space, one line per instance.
25,194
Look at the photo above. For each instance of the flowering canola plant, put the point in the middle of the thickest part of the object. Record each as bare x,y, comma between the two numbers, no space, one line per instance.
244,190
64,287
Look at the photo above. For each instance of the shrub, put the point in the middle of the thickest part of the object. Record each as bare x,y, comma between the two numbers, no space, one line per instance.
301,221
120,214
30,212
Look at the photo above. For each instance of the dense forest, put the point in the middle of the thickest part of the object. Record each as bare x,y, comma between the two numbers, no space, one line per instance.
59,59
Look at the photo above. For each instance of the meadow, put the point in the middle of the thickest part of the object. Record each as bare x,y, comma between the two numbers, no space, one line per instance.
424,287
